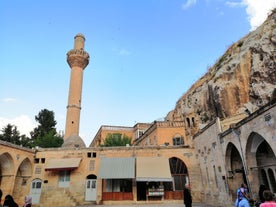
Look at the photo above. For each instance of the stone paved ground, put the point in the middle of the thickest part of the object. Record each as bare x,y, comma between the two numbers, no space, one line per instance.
153,205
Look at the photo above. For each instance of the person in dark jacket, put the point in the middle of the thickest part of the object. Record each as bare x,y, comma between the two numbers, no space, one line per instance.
9,202
187,196
261,190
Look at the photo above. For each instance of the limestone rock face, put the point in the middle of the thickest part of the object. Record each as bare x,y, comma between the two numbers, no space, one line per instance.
243,79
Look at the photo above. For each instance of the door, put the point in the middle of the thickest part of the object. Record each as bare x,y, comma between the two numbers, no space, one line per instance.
91,190
36,191
64,179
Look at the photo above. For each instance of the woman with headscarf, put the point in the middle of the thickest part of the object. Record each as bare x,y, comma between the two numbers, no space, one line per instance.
28,201
9,202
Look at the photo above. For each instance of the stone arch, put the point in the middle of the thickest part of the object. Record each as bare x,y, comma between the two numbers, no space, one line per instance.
179,173
23,179
235,169
91,176
261,162
6,172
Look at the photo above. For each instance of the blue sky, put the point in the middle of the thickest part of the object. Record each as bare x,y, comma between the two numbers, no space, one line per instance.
144,55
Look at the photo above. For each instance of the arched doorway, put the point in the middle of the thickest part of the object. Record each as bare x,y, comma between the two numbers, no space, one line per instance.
180,177
91,188
235,169
6,172
22,179
36,190
262,162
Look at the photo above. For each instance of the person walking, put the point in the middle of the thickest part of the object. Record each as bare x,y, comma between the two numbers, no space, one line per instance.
269,201
9,202
243,202
28,201
242,192
187,196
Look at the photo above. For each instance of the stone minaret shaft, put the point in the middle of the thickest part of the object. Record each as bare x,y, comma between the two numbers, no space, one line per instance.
77,59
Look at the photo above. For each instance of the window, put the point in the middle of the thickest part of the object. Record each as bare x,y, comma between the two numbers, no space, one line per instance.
139,133
92,165
38,170
91,154
178,141
64,176
118,185
64,179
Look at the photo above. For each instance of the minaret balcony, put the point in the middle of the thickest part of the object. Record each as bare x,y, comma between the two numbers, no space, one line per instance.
77,57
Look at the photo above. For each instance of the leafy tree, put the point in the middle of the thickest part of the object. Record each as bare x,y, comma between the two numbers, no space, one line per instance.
45,134
116,139
10,134
46,120
50,139
25,141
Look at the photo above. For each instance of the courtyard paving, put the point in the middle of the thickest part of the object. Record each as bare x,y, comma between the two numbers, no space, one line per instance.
152,205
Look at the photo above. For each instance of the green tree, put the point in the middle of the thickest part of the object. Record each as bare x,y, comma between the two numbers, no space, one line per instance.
46,120
45,134
50,139
116,139
25,141
10,134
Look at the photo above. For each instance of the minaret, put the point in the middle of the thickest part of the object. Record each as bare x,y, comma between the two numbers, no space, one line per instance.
77,59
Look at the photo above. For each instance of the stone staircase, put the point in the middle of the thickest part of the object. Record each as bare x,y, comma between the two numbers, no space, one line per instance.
58,197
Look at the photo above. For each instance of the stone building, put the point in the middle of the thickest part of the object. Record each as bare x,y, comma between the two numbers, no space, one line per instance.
211,140
217,164
244,153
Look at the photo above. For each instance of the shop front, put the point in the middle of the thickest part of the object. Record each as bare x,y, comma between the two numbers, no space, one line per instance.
152,176
117,176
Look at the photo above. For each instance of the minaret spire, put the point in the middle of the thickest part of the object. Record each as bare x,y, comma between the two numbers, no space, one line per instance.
77,59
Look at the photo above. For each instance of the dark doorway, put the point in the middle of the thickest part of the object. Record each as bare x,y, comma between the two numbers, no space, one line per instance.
141,191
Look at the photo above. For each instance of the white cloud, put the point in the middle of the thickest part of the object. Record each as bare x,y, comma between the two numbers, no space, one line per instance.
188,4
8,99
23,123
257,10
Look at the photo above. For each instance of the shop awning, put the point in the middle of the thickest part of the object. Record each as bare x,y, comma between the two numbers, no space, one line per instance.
117,168
63,164
153,169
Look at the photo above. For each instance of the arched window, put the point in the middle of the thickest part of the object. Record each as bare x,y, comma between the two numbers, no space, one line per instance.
193,121
179,173
188,122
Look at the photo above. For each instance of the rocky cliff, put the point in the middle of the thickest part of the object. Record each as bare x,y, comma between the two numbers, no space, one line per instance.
242,80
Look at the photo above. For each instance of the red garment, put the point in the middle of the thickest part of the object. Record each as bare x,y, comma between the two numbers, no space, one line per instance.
268,204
